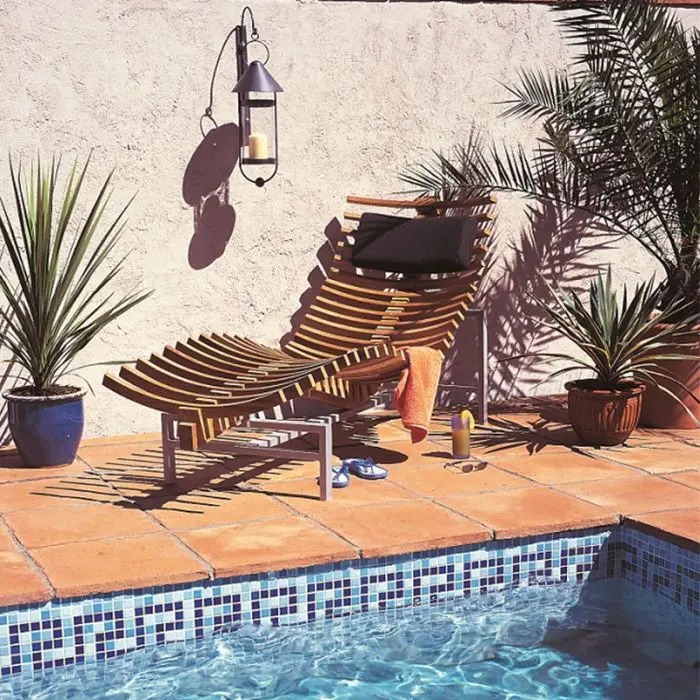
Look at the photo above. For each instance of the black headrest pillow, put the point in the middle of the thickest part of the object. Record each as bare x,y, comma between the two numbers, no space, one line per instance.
421,245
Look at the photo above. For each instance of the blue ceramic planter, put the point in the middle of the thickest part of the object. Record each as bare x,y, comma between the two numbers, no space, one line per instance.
46,429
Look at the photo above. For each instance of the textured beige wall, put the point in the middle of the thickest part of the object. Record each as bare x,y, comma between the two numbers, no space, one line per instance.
369,87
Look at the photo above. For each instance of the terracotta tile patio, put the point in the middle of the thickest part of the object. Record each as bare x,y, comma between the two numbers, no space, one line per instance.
106,522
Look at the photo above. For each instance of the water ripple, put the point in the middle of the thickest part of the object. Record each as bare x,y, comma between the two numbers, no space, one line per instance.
550,642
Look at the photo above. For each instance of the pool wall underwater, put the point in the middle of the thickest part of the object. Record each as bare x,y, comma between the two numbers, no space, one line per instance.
62,632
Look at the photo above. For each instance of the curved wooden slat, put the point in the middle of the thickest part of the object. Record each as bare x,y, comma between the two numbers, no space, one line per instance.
422,203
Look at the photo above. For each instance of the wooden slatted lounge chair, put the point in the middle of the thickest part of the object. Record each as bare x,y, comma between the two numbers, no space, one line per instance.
350,341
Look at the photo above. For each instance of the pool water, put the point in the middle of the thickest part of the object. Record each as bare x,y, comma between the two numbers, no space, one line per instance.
558,641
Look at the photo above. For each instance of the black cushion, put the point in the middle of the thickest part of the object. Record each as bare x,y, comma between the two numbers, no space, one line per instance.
423,245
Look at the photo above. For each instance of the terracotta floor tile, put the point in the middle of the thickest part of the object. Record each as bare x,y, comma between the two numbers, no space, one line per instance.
560,466
6,542
690,478
637,494
530,421
50,493
206,508
435,480
390,432
61,524
237,512
11,468
21,583
303,495
514,445
691,436
99,566
684,524
531,511
134,439
642,436
141,477
283,472
398,453
657,458
405,526
109,454
267,545
526,419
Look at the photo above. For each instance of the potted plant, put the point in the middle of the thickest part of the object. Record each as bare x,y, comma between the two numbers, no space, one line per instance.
621,345
620,143
55,285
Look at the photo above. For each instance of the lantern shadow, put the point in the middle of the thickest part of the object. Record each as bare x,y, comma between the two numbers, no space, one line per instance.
205,188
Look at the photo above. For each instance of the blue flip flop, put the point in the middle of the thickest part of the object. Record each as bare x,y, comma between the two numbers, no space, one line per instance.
365,468
340,478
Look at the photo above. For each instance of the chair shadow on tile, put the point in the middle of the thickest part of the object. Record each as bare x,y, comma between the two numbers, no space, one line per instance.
204,480
81,488
136,480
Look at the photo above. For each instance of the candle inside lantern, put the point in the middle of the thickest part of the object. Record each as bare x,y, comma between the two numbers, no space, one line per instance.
257,144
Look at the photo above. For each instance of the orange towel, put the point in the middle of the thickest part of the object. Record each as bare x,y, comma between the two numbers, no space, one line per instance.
414,396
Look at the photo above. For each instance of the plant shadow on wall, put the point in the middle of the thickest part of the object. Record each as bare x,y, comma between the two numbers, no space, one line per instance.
619,142
205,187
554,244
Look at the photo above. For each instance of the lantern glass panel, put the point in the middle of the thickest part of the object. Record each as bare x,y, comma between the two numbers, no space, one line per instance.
259,129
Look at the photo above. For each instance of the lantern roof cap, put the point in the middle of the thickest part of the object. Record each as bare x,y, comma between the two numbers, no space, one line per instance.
257,78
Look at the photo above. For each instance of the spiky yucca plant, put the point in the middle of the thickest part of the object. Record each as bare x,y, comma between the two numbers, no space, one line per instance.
620,338
57,284
621,136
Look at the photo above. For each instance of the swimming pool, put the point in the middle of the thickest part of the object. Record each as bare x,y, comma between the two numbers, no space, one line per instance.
564,641
595,614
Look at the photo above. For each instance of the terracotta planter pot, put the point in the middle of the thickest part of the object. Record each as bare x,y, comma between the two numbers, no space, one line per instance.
604,416
659,410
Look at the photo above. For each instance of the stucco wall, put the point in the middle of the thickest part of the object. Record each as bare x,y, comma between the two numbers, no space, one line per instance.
369,88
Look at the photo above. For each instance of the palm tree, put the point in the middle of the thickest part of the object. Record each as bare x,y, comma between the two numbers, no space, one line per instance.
621,136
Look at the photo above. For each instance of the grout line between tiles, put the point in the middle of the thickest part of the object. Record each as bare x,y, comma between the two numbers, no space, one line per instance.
207,566
32,562
322,526
490,530
668,476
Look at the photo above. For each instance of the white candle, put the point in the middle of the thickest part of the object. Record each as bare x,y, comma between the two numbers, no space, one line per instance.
257,144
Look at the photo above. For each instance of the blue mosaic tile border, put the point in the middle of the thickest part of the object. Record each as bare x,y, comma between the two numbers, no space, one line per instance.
655,564
62,632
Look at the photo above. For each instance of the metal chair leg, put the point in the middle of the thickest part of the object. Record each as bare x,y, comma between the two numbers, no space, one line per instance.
325,449
484,371
169,442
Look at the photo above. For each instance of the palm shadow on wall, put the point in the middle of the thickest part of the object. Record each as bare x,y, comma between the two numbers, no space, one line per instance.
554,246
205,187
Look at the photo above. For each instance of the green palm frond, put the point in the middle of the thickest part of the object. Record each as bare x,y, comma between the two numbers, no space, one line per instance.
620,140
56,289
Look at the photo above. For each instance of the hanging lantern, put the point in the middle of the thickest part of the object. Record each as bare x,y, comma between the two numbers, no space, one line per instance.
257,114
257,106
